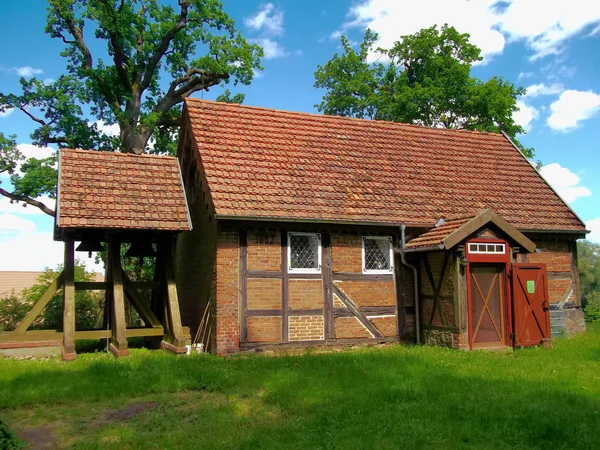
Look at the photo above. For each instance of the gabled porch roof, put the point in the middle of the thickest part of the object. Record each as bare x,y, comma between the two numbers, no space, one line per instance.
449,233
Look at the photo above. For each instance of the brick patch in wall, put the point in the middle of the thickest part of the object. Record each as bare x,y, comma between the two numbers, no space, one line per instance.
306,328
305,294
387,325
365,293
346,253
350,328
264,293
264,329
264,250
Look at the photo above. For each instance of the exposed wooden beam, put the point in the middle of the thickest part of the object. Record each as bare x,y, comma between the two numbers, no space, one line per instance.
138,303
41,303
356,311
244,275
172,302
284,288
326,270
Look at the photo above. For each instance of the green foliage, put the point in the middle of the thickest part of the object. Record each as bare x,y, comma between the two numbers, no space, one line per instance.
227,97
8,440
592,306
388,397
12,311
156,55
588,255
423,79
89,305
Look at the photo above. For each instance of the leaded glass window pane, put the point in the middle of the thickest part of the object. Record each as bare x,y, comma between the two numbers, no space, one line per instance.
377,254
304,251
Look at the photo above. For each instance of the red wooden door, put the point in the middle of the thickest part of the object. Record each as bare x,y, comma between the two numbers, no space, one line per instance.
488,309
530,304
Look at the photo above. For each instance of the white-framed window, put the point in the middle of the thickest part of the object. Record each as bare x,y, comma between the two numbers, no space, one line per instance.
304,252
491,248
377,254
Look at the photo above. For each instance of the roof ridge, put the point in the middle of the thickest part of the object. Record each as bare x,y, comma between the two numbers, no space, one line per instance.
335,117
116,152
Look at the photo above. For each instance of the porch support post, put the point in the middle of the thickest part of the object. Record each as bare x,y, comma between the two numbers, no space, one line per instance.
68,344
118,340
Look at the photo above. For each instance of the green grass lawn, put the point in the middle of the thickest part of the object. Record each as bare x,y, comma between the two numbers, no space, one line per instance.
388,397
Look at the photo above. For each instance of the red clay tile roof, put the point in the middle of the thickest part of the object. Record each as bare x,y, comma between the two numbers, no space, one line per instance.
275,164
117,190
435,236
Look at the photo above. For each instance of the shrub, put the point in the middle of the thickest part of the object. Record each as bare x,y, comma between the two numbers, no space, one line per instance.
592,307
8,440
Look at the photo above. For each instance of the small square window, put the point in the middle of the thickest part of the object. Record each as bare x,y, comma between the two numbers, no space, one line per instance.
377,254
304,252
497,249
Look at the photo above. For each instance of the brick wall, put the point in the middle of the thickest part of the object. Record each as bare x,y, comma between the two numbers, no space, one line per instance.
388,326
264,329
264,293
306,328
350,328
264,250
195,256
303,294
227,292
346,253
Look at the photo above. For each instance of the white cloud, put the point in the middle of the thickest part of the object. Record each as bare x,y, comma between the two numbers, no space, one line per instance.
6,113
536,90
10,223
33,151
108,130
543,25
565,182
267,19
525,114
571,108
27,71
594,226
24,248
272,48
524,75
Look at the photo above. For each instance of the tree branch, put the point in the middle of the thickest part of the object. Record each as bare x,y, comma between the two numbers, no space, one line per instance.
78,35
28,200
164,44
120,58
31,116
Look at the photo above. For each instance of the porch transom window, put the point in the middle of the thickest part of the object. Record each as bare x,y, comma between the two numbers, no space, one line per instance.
481,248
304,252
377,254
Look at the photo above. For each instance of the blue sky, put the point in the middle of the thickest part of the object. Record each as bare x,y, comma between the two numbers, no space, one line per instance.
549,46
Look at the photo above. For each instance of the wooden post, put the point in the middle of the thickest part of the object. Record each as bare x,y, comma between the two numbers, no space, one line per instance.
328,318
68,344
174,341
118,340
284,288
243,285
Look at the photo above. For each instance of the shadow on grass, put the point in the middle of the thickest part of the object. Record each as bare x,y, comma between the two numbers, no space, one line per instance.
396,397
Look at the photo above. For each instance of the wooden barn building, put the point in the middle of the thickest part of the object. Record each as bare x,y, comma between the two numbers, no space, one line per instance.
277,229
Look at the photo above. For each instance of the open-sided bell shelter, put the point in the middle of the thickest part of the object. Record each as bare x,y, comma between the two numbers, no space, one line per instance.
317,230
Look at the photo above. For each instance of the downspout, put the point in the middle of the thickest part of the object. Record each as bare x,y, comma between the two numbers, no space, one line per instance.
415,281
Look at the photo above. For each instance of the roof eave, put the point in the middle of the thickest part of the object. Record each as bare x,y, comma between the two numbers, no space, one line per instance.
320,220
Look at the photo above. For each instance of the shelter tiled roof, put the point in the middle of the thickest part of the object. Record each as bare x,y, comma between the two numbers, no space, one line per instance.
263,163
117,190
435,236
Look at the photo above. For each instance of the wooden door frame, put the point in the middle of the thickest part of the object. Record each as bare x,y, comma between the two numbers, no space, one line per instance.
497,259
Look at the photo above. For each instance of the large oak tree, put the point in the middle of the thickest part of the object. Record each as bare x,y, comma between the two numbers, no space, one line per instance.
423,79
128,62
